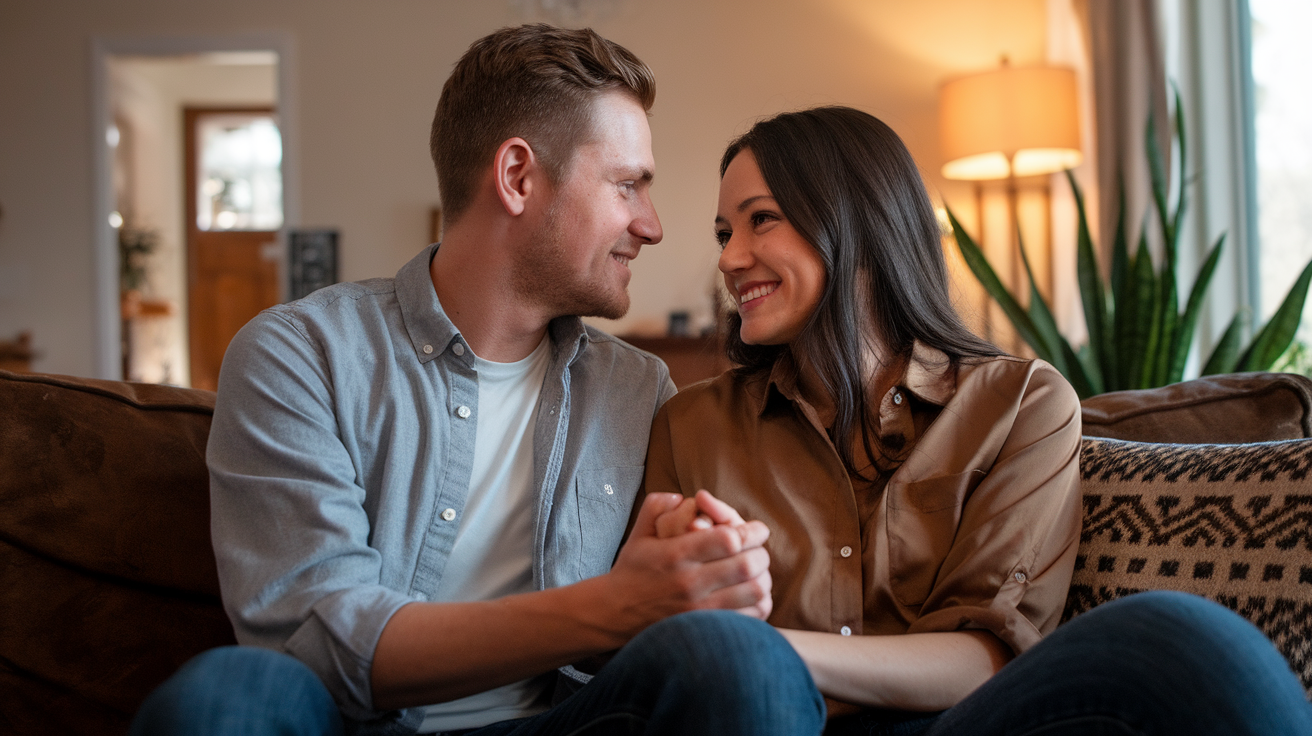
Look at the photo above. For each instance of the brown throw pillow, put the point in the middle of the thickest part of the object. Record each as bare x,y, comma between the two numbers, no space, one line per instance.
1232,523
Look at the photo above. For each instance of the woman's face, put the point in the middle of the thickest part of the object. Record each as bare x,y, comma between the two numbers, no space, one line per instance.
774,274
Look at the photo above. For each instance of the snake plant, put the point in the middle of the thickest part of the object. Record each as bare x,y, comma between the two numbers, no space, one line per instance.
1138,335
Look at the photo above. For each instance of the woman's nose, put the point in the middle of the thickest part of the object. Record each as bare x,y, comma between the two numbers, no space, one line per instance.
734,256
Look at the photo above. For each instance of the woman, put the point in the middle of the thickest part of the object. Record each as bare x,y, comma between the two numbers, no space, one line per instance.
921,487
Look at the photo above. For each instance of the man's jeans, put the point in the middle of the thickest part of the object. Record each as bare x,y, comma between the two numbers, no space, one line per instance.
1154,663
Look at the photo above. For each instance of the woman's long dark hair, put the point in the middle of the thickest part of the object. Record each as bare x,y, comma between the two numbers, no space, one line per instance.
848,185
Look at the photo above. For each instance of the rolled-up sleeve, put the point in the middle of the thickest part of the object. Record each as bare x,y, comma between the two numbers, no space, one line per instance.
1008,567
290,530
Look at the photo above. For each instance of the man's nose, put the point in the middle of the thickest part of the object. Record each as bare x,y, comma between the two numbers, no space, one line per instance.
647,225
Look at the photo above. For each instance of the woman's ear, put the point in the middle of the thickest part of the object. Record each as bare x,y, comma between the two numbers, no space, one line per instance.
514,174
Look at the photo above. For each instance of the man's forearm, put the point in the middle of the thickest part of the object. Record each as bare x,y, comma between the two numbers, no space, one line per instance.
435,652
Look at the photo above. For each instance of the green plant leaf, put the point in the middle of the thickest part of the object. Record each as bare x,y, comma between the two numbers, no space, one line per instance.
1157,170
1189,320
979,265
1092,295
1183,158
1169,315
1274,338
1122,314
1085,380
1225,356
1140,300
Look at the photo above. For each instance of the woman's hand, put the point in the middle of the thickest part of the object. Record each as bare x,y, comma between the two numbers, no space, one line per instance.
704,511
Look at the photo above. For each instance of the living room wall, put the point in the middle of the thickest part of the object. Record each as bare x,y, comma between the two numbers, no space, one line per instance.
368,75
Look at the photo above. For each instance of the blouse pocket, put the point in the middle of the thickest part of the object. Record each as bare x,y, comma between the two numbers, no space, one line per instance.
605,499
923,517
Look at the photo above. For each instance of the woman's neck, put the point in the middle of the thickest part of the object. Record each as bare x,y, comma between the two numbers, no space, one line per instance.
879,373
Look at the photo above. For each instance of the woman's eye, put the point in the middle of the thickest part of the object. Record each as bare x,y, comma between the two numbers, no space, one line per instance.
760,218
722,237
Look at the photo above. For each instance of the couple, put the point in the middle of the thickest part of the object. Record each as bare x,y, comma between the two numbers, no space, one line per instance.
421,485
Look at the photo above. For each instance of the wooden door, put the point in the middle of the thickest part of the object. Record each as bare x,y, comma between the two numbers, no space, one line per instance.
232,274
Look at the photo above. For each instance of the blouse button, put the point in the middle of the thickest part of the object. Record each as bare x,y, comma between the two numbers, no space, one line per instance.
449,514
845,551
1020,577
458,349
845,631
897,398
463,412
428,349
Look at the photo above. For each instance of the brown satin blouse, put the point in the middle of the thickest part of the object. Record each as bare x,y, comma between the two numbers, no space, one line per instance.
971,523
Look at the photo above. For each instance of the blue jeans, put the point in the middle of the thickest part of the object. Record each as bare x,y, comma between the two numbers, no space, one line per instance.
1154,663
707,672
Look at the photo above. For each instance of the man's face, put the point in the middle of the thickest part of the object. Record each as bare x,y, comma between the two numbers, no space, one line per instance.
599,217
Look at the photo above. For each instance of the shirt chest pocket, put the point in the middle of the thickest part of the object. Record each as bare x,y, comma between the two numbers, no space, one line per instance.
923,517
605,498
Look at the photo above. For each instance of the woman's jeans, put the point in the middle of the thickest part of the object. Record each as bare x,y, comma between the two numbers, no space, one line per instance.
1153,663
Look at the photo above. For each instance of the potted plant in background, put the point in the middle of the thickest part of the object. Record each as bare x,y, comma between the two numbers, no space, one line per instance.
1139,337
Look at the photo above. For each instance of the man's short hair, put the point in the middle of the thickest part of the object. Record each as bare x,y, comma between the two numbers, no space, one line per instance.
536,82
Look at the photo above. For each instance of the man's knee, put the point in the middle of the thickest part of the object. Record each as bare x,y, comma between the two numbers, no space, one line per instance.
725,655
244,688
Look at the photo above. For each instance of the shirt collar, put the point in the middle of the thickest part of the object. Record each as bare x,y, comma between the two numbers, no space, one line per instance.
929,376
432,333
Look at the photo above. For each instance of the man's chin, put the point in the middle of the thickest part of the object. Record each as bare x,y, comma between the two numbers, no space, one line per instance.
615,309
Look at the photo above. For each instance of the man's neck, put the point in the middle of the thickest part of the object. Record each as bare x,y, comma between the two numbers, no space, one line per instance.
472,280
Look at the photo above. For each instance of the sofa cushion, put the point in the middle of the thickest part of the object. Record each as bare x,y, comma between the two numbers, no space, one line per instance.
1233,408
1232,523
107,577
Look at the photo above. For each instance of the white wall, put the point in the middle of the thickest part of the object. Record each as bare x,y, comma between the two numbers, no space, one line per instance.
368,76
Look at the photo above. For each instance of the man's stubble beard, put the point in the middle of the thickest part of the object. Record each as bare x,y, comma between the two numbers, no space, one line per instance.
542,275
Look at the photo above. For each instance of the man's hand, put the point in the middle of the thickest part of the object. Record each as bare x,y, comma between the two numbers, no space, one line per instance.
676,564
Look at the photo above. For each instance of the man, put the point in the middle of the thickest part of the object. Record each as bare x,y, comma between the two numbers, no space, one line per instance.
419,484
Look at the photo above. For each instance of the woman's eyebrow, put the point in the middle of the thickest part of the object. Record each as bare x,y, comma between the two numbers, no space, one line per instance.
748,202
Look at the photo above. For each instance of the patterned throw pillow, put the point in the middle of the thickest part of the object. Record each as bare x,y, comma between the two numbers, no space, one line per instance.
1232,523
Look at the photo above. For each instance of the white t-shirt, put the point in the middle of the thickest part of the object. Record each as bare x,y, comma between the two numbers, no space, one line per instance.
493,552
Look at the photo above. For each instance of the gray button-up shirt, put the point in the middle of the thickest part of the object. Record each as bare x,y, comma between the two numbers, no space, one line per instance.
340,458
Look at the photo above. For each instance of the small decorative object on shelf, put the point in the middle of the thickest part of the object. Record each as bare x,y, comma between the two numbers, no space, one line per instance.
313,261
16,355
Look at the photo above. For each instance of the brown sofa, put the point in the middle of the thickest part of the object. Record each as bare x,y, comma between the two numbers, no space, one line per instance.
107,581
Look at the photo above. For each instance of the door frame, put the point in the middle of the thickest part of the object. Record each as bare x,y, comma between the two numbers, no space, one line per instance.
105,303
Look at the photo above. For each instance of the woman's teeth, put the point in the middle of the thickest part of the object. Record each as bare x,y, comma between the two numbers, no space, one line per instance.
756,293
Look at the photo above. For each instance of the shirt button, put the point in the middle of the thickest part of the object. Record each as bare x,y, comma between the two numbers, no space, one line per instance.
420,597
1020,577
845,631
897,397
428,349
458,349
449,514
845,551
463,412
609,491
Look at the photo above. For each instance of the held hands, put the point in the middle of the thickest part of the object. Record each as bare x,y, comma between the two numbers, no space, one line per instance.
686,554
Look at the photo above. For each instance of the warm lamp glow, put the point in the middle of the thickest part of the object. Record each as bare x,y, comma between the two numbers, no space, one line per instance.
1018,121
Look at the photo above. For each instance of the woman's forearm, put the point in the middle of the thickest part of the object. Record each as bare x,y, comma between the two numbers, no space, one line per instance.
919,672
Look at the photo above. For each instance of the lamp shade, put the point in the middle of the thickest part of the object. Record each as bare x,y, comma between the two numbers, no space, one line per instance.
1017,121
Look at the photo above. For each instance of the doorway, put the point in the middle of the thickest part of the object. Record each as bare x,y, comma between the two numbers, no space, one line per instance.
194,194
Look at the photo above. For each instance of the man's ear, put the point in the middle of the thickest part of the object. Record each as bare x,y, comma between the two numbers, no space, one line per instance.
515,174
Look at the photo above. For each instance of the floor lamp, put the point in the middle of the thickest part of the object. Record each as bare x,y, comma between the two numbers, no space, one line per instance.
1007,123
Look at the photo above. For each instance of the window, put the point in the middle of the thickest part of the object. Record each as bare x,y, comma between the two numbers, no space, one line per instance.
1281,61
